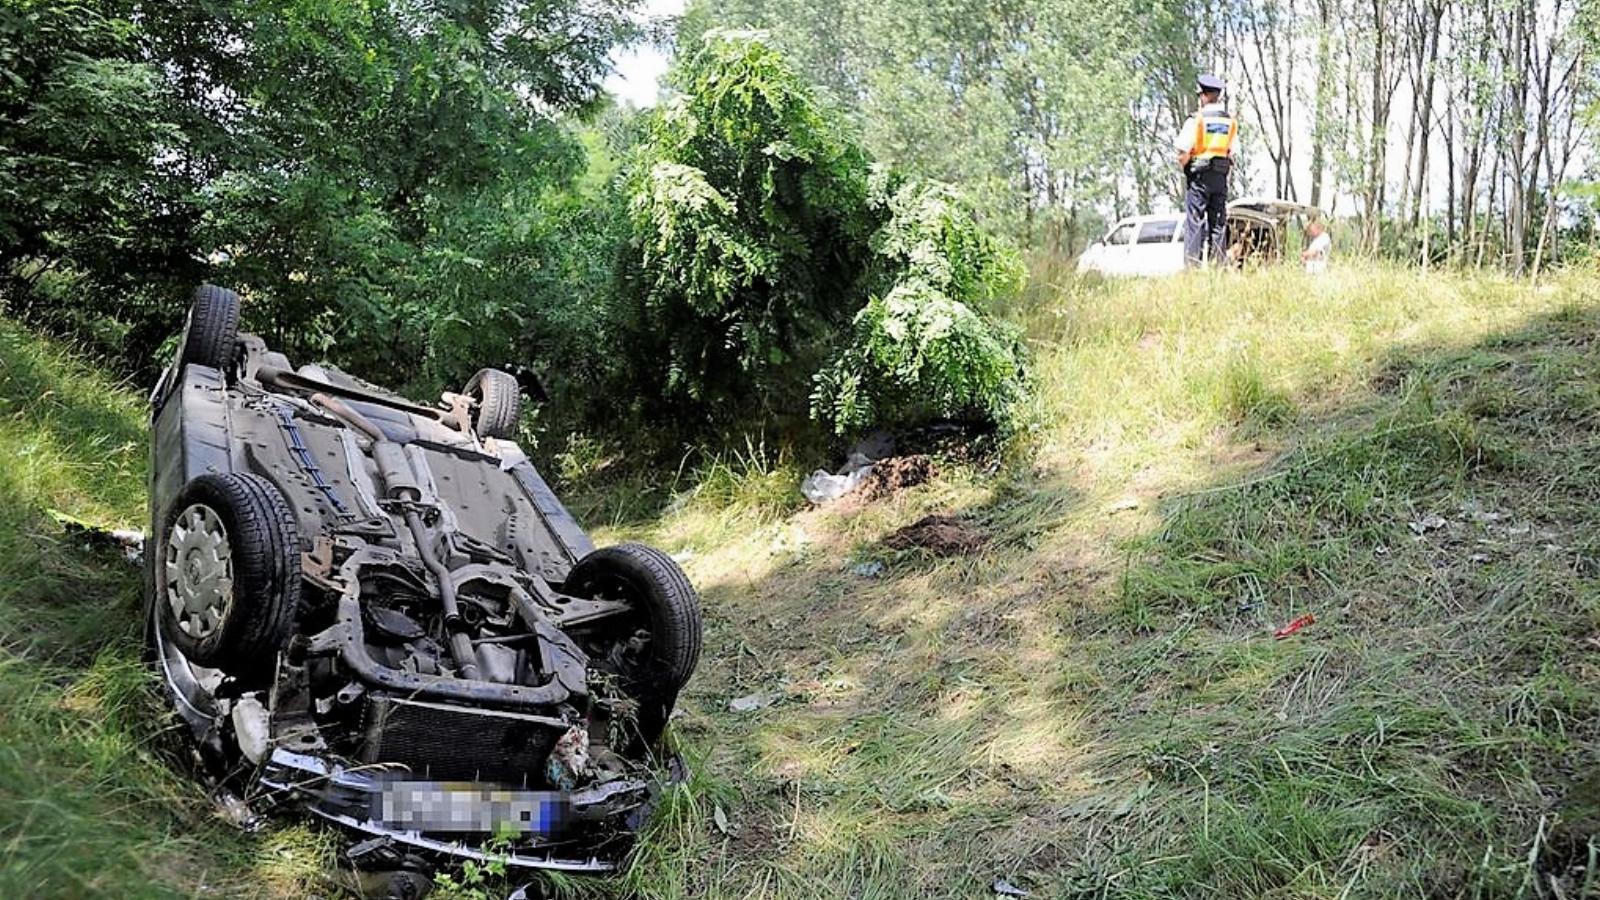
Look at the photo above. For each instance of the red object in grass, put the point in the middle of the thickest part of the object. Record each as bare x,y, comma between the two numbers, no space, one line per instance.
1294,626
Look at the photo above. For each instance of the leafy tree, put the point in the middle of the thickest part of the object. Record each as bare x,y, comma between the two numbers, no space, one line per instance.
921,348
774,261
82,132
748,209
388,183
391,176
1024,104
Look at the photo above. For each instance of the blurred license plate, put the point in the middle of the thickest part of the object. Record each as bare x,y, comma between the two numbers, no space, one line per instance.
443,806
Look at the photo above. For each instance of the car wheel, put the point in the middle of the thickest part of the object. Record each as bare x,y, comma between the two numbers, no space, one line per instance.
653,650
499,399
228,579
213,327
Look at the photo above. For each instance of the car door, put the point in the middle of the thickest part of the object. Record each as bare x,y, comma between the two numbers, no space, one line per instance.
1118,244
1158,248
1108,255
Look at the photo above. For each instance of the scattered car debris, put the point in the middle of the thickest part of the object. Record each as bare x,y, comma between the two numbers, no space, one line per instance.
130,542
823,486
940,535
753,702
376,611
871,569
236,812
1429,522
871,471
1296,625
1004,888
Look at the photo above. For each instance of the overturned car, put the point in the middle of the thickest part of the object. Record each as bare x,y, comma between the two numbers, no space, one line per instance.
378,611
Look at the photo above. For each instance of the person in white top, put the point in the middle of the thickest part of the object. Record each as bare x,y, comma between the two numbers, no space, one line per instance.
1315,255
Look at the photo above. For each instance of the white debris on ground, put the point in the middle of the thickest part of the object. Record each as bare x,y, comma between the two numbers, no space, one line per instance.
131,542
753,702
823,486
872,569
1004,888
1429,522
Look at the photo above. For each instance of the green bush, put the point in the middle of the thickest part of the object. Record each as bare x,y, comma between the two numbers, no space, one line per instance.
776,262
412,193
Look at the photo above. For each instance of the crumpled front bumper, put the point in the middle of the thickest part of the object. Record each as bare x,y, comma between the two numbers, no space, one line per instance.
569,831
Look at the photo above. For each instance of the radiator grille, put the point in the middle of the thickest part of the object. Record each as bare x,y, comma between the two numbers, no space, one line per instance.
454,743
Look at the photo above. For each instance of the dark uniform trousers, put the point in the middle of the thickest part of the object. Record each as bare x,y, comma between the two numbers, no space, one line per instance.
1206,203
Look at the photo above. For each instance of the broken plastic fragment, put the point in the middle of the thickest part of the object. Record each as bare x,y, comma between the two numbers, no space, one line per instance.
824,487
1429,522
1294,626
872,569
753,702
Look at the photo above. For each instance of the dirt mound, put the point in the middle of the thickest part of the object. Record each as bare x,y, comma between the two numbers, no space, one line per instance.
941,535
895,473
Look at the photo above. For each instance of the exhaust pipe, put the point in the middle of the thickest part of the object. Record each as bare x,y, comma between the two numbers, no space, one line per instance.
460,643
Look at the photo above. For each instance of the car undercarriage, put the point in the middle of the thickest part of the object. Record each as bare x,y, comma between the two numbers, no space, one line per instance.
378,611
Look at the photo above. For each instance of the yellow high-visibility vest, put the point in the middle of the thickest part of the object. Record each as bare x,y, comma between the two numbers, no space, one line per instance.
1213,136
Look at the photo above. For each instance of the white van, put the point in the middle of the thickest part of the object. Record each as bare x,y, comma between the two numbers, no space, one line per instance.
1152,246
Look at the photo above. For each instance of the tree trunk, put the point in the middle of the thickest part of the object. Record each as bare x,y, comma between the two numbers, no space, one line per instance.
1322,105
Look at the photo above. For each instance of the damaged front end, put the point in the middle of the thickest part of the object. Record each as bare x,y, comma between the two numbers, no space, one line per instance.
368,724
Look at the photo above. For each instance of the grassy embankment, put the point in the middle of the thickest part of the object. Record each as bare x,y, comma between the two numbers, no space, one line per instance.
1094,704
89,805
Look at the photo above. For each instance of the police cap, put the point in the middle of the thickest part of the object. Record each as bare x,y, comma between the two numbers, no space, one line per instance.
1209,83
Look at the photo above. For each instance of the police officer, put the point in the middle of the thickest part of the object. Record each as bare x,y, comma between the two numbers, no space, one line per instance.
1205,152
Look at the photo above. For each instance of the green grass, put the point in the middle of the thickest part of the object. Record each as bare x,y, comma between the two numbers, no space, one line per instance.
90,805
1094,706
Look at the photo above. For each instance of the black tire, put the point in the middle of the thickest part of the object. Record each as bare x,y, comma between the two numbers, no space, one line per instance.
264,550
665,606
212,329
499,402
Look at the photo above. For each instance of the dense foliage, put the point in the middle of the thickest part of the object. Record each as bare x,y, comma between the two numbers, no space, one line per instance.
81,125
776,260
1026,105
413,189
922,347
389,183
